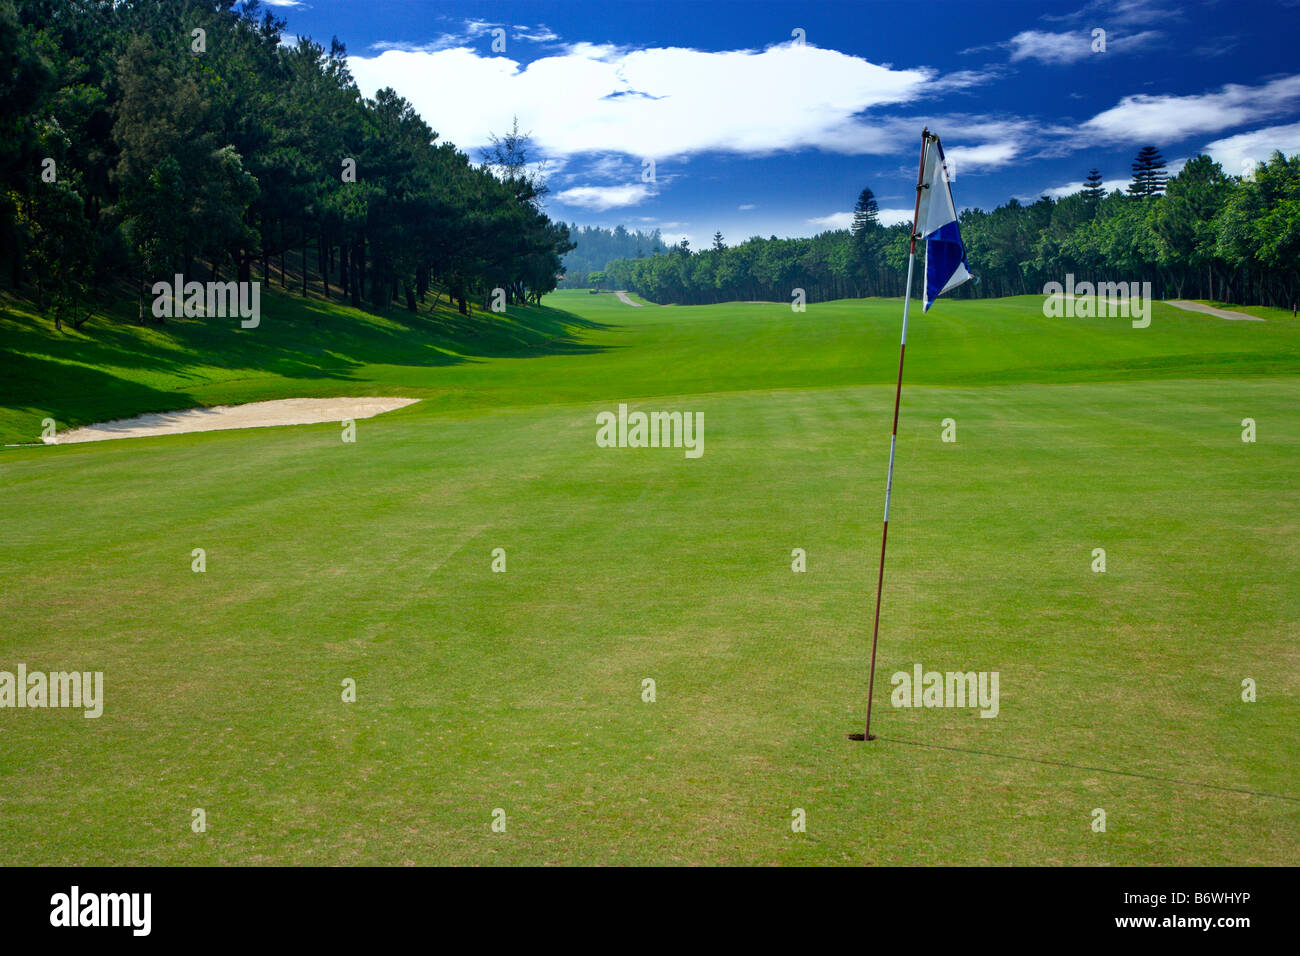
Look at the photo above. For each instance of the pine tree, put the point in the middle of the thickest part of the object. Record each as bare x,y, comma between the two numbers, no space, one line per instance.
1092,188
508,158
865,213
718,244
1148,174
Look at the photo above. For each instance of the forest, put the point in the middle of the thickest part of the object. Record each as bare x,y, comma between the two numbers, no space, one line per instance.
597,246
1200,234
141,139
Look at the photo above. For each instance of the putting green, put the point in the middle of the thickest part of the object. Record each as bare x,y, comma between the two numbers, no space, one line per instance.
523,691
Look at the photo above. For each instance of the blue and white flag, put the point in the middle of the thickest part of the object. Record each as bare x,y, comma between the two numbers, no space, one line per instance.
945,256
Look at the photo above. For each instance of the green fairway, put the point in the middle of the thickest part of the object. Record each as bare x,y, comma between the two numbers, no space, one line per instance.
522,690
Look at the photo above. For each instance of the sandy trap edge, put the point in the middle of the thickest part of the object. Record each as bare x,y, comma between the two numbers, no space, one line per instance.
285,411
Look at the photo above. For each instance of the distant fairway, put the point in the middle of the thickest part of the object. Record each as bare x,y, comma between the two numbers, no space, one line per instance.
522,690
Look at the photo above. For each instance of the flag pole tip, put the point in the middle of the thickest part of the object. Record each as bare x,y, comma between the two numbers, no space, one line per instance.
862,737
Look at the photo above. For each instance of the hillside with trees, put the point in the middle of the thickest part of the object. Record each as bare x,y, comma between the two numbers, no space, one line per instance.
141,139
1199,234
597,246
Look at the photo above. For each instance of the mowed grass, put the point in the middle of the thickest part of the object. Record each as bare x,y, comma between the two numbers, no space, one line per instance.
523,690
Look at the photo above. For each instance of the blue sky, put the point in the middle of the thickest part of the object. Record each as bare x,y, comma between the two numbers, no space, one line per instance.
754,133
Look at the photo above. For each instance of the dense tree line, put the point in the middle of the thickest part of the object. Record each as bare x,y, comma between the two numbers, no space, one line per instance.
141,138
597,246
1201,234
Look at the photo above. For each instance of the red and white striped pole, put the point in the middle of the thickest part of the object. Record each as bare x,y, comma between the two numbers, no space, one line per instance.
893,438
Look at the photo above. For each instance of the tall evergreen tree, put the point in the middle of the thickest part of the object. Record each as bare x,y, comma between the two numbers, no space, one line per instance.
1148,174
508,156
1093,191
866,213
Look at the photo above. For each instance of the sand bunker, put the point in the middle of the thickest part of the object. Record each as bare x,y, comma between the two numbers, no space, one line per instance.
288,411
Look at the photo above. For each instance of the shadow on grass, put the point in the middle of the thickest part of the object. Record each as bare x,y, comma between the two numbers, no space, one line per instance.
70,376
522,332
34,388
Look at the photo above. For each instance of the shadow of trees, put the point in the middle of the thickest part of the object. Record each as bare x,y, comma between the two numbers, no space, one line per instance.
113,368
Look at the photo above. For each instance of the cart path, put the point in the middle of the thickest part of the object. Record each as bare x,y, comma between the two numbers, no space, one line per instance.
1211,310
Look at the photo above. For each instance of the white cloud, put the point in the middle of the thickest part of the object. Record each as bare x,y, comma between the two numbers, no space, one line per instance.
962,159
892,217
1071,46
476,26
612,167
844,220
836,220
988,142
656,103
1142,117
1049,47
606,109
965,79
444,42
745,207
538,34
1238,154
1118,12
470,32
1069,189
600,198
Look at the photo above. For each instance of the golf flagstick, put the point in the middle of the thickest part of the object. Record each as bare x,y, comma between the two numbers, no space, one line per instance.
893,439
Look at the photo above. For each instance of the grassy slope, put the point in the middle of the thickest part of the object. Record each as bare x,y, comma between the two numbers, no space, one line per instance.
522,690
302,348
